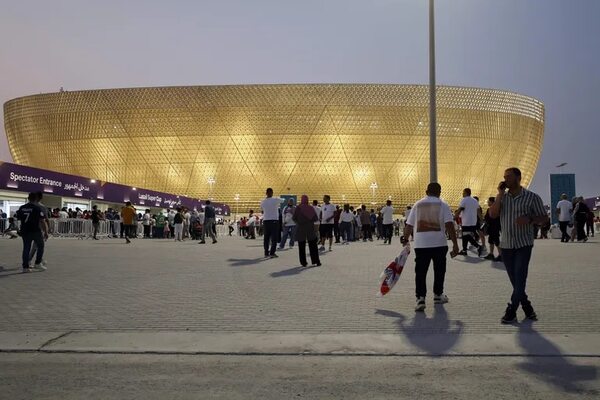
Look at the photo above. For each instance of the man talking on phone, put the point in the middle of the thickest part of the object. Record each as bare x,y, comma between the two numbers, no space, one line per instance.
518,209
430,219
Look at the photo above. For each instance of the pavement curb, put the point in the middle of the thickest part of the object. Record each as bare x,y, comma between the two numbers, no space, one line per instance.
529,343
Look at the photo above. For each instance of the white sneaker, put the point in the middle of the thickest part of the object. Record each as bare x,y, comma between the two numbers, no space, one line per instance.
39,267
440,299
420,304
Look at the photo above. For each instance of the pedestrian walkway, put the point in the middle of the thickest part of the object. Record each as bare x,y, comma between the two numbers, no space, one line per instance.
228,286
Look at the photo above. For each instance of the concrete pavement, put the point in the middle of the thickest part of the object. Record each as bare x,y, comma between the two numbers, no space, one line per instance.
109,376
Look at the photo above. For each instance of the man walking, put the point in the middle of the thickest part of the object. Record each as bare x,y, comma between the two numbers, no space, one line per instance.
270,209
33,230
468,209
95,221
365,222
563,210
493,232
518,210
429,221
129,221
388,222
289,225
326,227
209,220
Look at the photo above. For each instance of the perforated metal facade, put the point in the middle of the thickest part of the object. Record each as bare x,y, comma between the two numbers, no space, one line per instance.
314,139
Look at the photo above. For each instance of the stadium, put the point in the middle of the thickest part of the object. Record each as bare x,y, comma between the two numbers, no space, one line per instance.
360,143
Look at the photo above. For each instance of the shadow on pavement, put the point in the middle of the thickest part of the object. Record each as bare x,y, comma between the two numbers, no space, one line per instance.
291,271
240,262
436,336
470,259
554,367
5,272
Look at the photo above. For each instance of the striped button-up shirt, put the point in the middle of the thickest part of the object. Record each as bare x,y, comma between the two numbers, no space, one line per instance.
526,203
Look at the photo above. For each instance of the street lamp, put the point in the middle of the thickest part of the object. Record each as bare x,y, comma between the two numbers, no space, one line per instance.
237,204
432,111
373,187
211,182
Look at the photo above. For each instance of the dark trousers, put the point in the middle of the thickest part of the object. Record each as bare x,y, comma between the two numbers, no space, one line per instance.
312,248
581,230
367,232
387,231
347,231
563,229
146,231
336,231
517,267
271,229
28,239
468,236
423,258
130,231
589,228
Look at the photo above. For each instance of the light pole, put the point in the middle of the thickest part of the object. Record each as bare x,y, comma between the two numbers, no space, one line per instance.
211,182
237,204
373,187
432,112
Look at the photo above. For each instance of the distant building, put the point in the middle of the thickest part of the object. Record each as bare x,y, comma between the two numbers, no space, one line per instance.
559,184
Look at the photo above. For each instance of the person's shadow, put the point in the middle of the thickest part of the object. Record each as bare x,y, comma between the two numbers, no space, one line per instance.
240,262
545,361
436,336
291,271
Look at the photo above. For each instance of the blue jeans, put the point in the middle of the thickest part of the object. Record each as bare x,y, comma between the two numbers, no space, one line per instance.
346,231
28,239
517,267
288,231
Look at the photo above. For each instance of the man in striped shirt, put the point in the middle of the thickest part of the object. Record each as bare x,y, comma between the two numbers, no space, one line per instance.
518,209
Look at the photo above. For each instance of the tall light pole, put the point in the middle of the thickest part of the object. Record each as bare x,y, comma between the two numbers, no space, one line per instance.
432,120
211,182
237,204
373,187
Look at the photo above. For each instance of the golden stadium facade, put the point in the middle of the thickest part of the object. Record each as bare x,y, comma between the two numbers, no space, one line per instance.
225,141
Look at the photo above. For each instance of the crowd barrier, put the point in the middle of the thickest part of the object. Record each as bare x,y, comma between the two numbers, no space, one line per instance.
83,228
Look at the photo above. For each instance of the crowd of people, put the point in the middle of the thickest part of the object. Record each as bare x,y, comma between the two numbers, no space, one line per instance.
510,224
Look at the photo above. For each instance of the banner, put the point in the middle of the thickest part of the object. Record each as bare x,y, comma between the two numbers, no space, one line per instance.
27,179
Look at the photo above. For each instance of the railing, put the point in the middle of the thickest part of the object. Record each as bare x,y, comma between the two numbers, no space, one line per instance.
83,228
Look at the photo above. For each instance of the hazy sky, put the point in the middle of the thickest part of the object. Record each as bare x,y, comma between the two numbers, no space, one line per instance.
548,49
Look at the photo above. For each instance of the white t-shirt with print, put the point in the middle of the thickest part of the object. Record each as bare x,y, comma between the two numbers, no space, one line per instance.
469,214
565,207
388,215
327,212
270,207
428,218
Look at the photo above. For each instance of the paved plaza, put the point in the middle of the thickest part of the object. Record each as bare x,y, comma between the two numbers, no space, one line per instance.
228,287
224,301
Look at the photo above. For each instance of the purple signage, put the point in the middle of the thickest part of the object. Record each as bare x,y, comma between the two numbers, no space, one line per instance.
27,179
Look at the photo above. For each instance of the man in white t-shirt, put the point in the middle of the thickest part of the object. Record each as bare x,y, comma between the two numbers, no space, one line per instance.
326,227
146,222
387,213
468,209
429,221
270,208
564,210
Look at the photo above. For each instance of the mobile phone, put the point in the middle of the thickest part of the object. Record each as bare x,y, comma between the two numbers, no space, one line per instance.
503,185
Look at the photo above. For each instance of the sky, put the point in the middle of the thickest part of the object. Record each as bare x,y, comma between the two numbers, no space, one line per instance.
547,49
